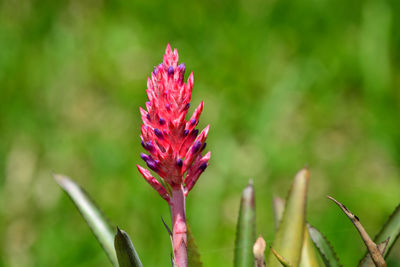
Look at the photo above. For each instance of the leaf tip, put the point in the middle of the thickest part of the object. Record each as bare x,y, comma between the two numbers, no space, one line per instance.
249,189
118,230
306,172
303,174
248,194
279,257
58,178
166,227
259,247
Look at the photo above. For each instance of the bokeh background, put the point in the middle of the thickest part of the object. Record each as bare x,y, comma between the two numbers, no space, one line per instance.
285,84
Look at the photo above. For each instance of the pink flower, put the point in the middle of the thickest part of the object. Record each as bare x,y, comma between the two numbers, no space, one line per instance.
174,145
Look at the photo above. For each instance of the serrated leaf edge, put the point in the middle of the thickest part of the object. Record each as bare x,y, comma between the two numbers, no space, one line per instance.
323,255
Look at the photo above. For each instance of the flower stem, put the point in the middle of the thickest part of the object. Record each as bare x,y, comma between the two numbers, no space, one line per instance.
179,238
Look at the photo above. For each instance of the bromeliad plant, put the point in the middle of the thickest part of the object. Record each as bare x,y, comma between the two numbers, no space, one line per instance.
175,153
175,146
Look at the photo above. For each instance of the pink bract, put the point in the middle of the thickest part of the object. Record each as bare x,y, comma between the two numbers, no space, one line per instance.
174,145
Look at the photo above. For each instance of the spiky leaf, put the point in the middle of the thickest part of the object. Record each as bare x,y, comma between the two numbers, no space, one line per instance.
391,230
290,235
325,249
309,257
92,214
246,229
373,250
367,261
126,253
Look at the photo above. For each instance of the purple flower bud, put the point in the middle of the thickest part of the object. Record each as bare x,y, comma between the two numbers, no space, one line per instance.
152,165
158,133
162,121
170,71
182,67
144,157
155,71
203,166
148,116
143,145
179,162
187,106
196,146
168,107
149,146
204,146
193,122
185,132
150,161
195,132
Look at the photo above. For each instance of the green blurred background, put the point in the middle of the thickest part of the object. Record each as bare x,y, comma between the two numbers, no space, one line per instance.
285,84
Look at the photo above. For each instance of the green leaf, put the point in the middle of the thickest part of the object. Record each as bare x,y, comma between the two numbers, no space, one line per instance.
290,235
246,229
279,207
391,230
97,222
126,253
324,247
280,258
367,260
372,247
167,228
192,250
309,256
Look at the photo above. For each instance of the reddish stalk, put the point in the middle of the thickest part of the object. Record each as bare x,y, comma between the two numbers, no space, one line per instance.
179,238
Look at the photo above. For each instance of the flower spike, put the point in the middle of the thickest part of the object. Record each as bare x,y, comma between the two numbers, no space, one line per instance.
174,146
172,142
